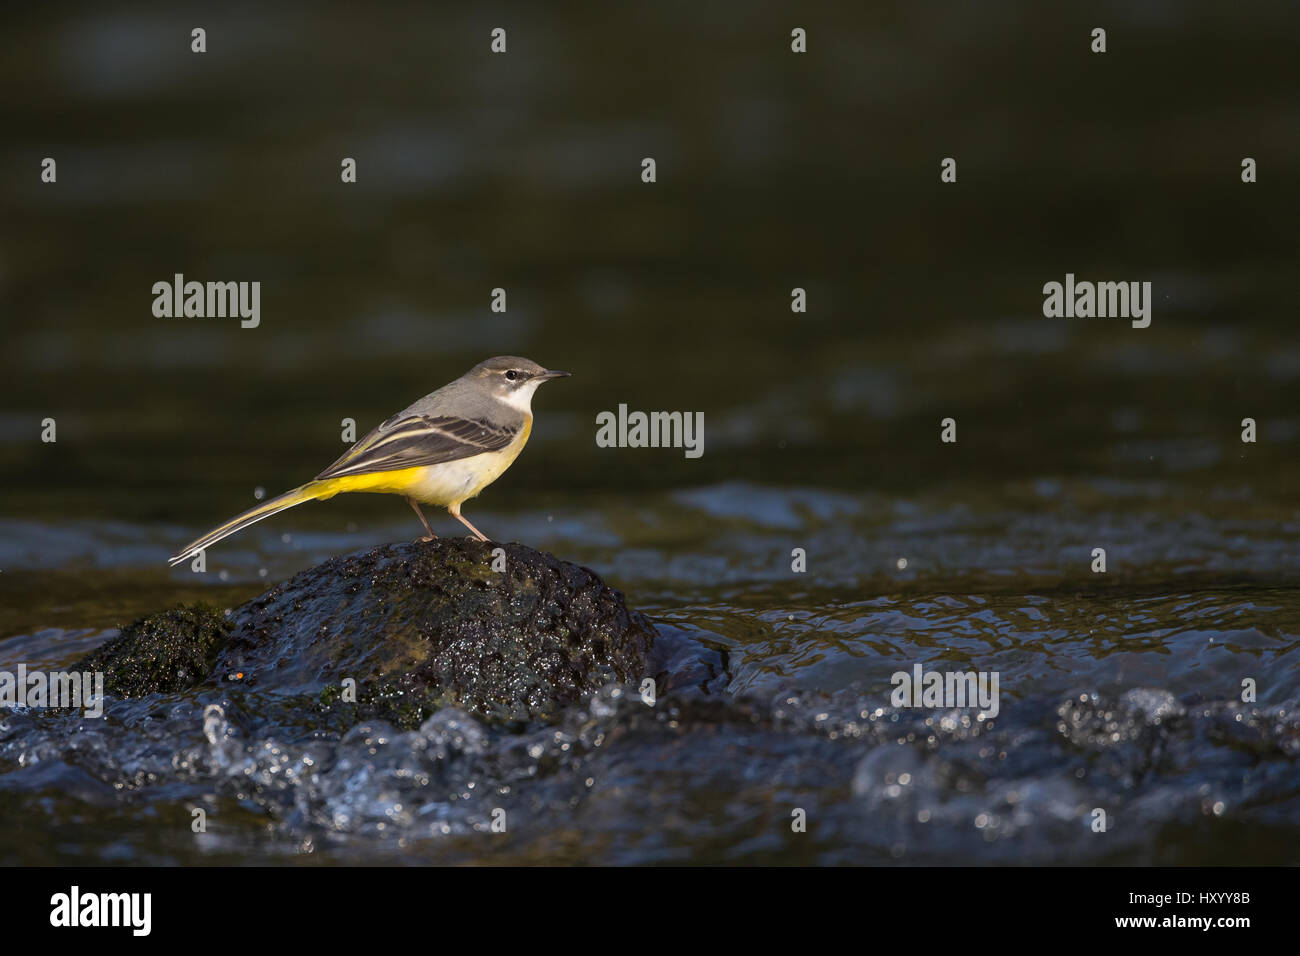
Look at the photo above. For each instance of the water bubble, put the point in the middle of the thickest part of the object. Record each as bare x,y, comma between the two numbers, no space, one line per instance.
259,492
214,723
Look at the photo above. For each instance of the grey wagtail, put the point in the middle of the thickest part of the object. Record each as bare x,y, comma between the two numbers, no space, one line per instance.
442,450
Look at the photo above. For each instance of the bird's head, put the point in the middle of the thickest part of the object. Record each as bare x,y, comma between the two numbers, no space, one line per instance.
511,378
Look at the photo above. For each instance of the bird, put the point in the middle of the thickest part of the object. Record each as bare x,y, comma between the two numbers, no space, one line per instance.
441,450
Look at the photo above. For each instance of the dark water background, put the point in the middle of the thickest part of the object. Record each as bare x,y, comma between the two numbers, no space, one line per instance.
821,430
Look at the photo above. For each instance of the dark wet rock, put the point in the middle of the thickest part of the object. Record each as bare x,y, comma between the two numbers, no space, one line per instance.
418,627
162,653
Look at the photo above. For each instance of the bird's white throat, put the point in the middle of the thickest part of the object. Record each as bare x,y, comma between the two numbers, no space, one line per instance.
522,397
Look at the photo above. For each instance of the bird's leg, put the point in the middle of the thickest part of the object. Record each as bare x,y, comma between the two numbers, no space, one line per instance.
455,511
420,514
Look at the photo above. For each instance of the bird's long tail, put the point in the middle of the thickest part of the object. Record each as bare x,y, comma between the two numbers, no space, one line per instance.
311,491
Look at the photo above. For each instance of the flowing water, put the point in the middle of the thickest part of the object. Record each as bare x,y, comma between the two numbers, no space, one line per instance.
826,540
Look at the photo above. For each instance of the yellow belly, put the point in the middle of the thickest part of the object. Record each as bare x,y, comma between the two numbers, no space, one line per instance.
446,484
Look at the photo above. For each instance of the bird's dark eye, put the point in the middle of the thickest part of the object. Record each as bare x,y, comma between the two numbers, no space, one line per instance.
511,375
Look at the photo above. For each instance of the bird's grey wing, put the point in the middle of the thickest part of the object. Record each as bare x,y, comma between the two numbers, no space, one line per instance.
419,440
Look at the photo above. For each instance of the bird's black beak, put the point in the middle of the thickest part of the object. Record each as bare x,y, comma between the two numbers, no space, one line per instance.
552,373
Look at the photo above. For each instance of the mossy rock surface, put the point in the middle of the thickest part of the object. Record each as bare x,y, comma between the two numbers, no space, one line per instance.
416,626
163,653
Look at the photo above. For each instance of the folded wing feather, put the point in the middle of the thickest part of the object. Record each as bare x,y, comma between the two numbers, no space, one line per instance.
417,441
